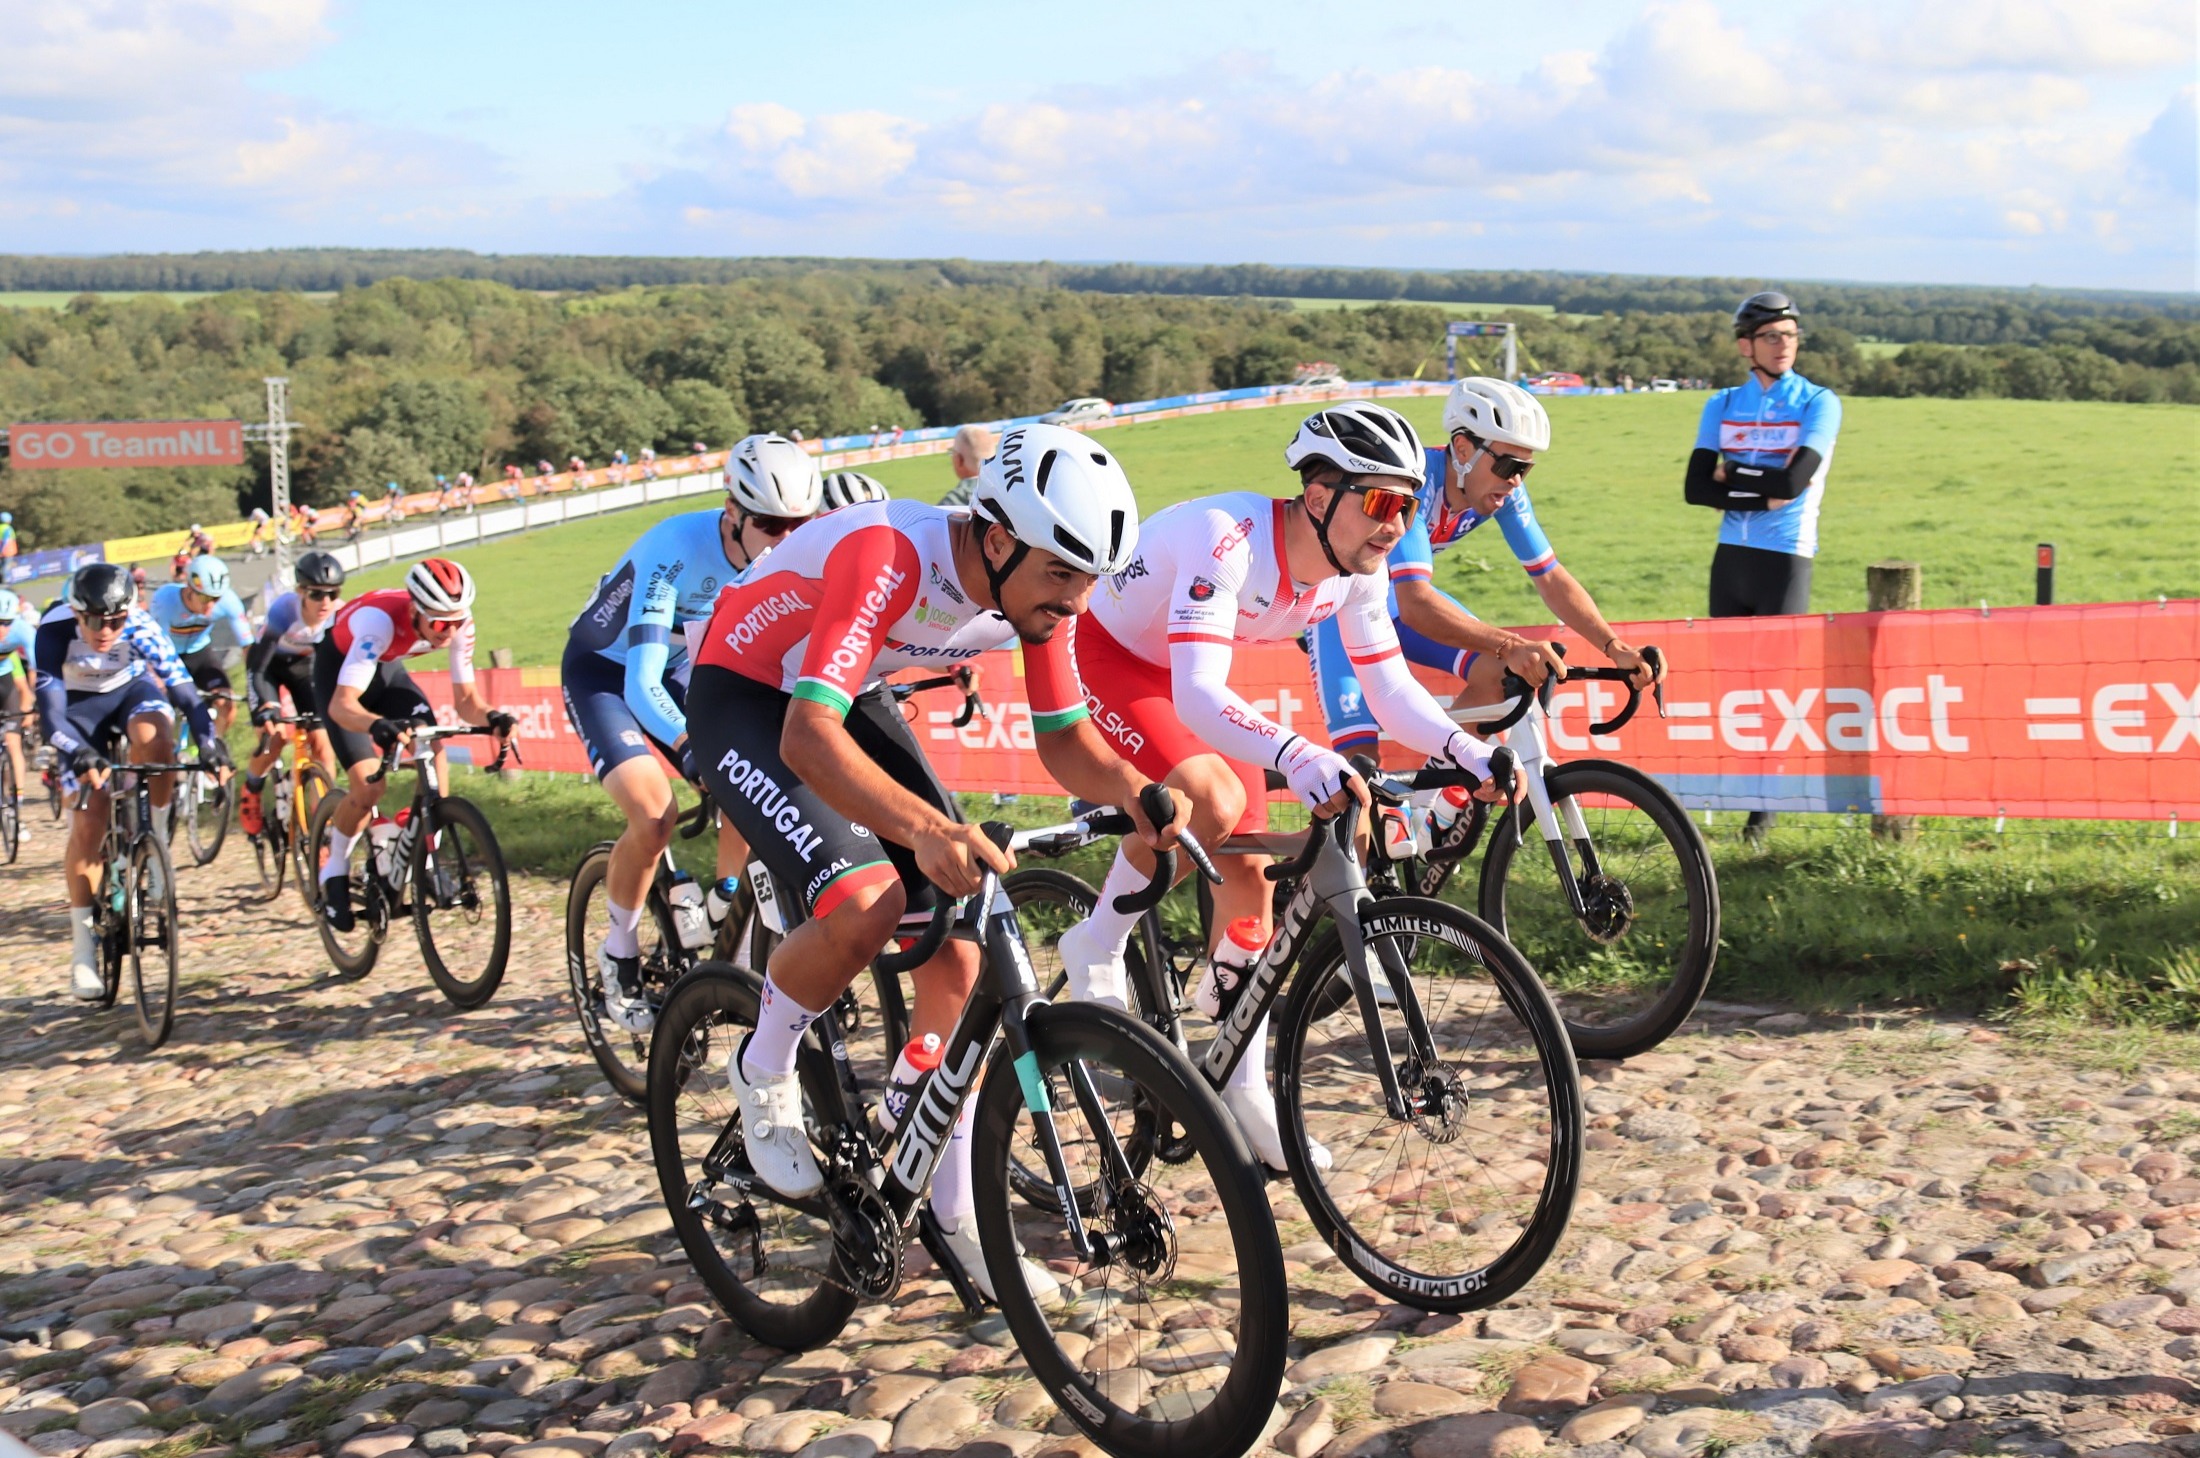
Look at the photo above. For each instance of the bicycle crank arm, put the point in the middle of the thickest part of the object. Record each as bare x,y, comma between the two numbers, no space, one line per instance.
934,1239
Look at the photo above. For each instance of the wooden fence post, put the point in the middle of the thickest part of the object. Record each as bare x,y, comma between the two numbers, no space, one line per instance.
1894,587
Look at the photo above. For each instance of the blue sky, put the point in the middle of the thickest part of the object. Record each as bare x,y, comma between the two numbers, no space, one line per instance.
1989,141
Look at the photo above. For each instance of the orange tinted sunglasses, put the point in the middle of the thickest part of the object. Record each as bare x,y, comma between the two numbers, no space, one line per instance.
1385,505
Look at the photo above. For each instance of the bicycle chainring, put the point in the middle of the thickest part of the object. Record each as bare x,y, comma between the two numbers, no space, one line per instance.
1607,909
867,1239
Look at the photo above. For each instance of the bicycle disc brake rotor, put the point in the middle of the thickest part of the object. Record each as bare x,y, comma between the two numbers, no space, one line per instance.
1144,1237
1438,1099
866,1236
1607,909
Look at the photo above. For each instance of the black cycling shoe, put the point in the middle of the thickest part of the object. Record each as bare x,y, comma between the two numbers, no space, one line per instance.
336,903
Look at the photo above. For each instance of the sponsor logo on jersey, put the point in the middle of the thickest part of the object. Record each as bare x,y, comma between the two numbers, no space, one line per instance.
854,649
762,791
1233,538
947,589
817,882
1200,590
1115,726
631,738
612,607
1250,722
1130,574
763,613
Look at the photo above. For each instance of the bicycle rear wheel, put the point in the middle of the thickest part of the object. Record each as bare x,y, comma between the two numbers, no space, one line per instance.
271,847
769,1262
355,952
1171,1341
312,787
1628,971
623,1056
155,941
1459,1204
461,903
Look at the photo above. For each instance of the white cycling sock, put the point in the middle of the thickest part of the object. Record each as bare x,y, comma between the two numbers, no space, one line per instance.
951,1198
620,940
84,930
780,1022
1111,926
1251,1073
338,864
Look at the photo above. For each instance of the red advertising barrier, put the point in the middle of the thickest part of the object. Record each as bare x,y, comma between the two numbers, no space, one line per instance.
2086,712
75,444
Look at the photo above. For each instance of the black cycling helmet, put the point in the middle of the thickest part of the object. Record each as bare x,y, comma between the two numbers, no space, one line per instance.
102,588
320,569
1758,310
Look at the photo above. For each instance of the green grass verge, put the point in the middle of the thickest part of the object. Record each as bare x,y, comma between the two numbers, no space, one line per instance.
1965,487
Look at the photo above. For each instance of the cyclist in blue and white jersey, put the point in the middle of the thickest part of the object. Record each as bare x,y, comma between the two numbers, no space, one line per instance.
1762,450
283,659
625,676
188,610
1497,430
108,673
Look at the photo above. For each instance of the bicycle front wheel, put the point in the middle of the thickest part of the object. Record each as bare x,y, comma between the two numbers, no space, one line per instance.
1457,1202
353,953
270,848
461,903
770,1262
155,943
11,815
623,1056
205,815
312,786
1169,1338
1628,969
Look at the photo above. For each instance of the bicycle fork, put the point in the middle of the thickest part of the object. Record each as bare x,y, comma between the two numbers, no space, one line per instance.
1527,741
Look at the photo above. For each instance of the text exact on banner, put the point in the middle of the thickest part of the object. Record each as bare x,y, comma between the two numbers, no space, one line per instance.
73,445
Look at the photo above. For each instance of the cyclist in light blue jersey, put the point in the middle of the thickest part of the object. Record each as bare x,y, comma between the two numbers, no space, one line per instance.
188,610
1497,430
18,634
625,675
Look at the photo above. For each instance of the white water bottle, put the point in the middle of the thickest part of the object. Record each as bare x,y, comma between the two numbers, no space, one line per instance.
1450,804
918,1057
720,900
1235,957
382,835
690,919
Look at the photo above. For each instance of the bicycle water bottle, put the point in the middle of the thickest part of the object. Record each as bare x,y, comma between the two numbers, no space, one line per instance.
720,900
690,919
382,836
918,1058
1235,956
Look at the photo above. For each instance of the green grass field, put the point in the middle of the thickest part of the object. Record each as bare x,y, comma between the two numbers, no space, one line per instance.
1965,487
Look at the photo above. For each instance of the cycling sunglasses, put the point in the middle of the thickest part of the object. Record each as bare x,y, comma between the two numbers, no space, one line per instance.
1384,504
322,594
103,622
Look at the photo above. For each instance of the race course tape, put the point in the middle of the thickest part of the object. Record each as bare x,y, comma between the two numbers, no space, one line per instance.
2082,712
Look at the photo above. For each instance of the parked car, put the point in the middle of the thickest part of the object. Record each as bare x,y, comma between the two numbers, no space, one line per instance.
1082,411
1556,380
1329,381
1664,387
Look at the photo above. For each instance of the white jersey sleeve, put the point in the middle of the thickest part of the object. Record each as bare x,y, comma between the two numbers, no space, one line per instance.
1407,711
1204,592
371,635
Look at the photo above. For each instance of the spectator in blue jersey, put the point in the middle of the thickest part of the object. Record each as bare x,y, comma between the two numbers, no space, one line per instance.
625,675
188,610
1762,450
1497,430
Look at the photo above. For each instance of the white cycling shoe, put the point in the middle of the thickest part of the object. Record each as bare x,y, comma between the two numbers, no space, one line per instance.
631,1013
1038,1280
85,982
1255,1112
771,1127
1094,976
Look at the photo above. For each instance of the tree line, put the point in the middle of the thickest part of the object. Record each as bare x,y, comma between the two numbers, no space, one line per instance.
403,378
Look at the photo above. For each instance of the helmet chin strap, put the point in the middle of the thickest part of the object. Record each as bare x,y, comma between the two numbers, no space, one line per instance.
1321,528
995,576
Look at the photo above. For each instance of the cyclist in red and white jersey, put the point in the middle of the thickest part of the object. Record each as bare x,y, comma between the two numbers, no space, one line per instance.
371,703
1155,653
791,727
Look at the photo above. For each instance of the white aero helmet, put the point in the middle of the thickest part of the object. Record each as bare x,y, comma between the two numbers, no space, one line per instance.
1497,411
209,575
770,475
1057,490
846,488
1360,439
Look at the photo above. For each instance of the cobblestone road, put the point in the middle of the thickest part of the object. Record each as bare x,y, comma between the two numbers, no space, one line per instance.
342,1219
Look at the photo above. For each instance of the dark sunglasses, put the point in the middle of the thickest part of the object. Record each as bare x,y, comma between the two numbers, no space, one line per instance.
1384,504
774,526
1509,468
104,622
322,594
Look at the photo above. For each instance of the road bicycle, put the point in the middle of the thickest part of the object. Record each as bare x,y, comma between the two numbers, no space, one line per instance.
296,785
1621,918
1170,1338
439,863
1416,1048
201,804
11,813
134,899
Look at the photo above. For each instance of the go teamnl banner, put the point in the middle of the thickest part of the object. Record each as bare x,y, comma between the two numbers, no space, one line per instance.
2084,712
76,444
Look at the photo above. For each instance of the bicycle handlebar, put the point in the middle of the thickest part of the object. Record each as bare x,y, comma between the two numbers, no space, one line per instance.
1517,689
427,732
962,678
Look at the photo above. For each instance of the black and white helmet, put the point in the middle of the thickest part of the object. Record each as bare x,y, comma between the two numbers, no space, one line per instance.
1054,489
846,488
769,475
1359,438
102,588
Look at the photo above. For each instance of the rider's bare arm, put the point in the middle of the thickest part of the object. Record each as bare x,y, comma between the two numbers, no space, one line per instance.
1570,601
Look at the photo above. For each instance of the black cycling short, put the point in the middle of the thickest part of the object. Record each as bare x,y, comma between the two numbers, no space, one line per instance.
1750,582
391,694
15,697
813,852
293,671
209,668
